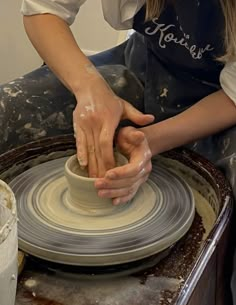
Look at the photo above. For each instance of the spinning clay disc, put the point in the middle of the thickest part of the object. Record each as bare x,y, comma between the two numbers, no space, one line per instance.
51,228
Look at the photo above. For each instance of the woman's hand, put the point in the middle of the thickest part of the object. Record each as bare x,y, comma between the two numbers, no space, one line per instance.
122,183
96,117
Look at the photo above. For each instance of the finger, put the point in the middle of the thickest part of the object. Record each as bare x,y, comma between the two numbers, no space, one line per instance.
91,153
124,199
136,116
129,170
131,135
95,162
101,170
122,172
135,137
136,162
138,159
104,184
81,144
81,147
116,193
106,146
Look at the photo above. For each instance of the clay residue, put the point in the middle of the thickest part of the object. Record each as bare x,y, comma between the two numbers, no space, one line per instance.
119,291
204,209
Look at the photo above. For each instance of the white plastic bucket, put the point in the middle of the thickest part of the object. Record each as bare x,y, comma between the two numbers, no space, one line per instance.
8,245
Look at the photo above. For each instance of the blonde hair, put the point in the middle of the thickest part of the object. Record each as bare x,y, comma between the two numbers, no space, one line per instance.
154,8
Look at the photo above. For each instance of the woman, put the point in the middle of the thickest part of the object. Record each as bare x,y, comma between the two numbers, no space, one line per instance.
184,52
182,87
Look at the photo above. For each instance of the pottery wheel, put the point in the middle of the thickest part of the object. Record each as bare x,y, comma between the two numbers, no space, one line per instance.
160,214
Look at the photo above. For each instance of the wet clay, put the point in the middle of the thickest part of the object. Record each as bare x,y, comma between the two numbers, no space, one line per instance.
84,231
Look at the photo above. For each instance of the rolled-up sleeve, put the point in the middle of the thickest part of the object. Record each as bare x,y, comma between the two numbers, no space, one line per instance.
65,9
228,80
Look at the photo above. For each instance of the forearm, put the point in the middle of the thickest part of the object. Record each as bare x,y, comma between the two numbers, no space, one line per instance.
212,114
55,43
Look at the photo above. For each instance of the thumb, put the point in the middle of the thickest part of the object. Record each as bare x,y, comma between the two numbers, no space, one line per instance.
136,116
134,136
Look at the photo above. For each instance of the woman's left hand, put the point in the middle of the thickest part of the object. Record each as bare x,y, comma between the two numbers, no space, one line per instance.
122,183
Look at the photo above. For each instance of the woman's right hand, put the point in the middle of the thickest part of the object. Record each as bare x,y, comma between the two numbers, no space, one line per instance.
95,118
99,110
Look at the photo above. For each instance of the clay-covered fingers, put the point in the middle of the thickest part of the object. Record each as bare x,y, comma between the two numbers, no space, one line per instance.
135,169
97,115
106,145
81,146
99,150
117,183
101,169
124,197
85,144
123,182
94,147
121,192
92,152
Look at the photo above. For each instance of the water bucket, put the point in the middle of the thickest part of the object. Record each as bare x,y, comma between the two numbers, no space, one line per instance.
8,245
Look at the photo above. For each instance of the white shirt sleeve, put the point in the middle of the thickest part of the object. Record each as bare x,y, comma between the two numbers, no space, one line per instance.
228,80
65,9
118,13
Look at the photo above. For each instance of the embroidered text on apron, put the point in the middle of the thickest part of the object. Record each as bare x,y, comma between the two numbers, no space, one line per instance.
182,46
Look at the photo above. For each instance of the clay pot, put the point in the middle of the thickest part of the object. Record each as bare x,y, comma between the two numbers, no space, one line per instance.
82,193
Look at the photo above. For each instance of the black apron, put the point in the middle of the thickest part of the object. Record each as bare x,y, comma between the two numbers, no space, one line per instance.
180,49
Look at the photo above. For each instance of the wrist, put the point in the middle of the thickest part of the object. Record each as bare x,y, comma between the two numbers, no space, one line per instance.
163,136
153,137
88,79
